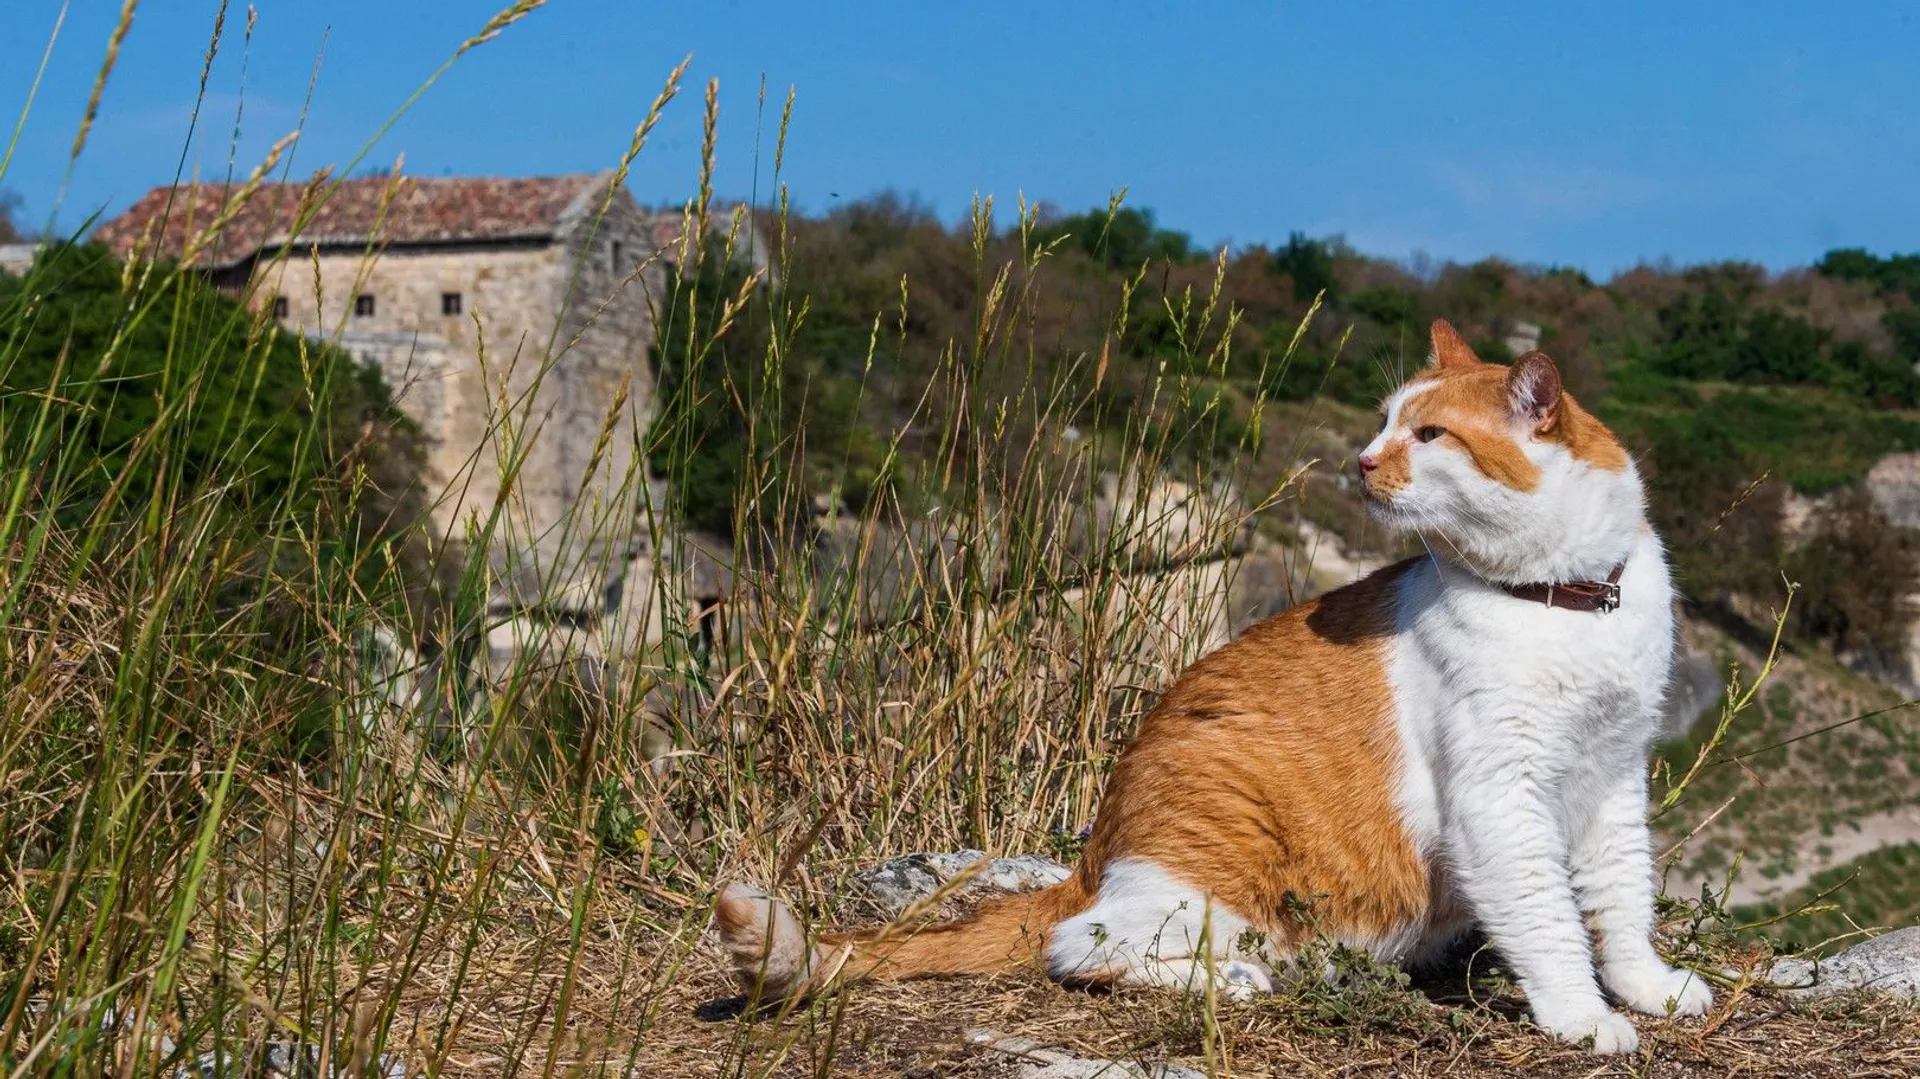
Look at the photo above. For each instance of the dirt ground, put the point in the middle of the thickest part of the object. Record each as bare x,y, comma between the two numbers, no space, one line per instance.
1448,1025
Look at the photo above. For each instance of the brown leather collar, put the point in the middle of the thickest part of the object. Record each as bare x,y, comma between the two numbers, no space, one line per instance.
1601,596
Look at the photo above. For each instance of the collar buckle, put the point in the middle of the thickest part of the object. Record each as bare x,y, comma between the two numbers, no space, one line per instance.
1609,600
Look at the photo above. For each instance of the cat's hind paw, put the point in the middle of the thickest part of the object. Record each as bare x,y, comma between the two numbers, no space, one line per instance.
1241,981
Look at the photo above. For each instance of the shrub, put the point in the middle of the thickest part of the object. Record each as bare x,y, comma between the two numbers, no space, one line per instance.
1855,572
1390,307
1310,264
1124,239
1893,274
733,415
143,395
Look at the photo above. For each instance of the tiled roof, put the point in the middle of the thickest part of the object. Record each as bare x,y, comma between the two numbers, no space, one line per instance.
404,210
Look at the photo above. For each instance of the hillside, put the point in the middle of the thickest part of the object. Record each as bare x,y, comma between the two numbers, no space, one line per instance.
1735,388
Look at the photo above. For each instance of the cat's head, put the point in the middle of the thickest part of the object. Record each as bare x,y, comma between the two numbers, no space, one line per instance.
1502,467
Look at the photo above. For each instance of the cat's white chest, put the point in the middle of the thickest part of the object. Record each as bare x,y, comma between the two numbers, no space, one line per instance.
1481,675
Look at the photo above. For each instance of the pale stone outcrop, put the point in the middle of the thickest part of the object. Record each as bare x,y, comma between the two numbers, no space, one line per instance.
1889,963
17,259
899,883
1894,485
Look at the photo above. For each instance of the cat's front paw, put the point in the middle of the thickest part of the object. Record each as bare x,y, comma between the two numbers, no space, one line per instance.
1658,989
1604,1031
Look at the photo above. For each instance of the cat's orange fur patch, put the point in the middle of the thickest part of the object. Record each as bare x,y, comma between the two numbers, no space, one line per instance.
1266,777
771,954
1470,404
1393,469
1003,934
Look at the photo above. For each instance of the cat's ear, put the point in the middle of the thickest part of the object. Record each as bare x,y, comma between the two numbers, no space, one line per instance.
1449,348
1533,391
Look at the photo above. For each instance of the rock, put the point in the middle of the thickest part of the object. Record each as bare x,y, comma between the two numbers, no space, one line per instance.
1160,521
1894,485
1257,585
1888,963
390,677
898,883
1325,563
1040,1061
1800,515
522,645
17,259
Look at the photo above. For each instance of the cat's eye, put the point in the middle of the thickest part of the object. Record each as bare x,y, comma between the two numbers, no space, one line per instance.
1428,433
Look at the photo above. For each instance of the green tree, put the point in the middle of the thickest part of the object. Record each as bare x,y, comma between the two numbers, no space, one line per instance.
10,231
1893,274
734,413
1885,379
1310,264
1903,325
181,389
1774,346
1124,239
1391,307
1701,332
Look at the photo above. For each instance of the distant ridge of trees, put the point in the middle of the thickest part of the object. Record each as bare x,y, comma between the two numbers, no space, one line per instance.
1718,375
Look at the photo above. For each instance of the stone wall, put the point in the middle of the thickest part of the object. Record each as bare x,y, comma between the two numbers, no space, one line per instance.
547,339
433,361
602,380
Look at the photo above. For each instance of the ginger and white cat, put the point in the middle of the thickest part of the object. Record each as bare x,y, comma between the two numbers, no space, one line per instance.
1449,742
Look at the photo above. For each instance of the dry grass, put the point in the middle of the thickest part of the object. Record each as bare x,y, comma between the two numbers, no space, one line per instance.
645,995
926,1028
223,832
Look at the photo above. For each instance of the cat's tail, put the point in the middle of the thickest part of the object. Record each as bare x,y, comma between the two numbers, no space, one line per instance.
771,955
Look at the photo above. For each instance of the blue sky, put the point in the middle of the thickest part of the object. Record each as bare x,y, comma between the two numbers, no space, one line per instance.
1596,136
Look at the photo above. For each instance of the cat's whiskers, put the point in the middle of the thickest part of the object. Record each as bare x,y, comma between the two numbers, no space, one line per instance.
1461,560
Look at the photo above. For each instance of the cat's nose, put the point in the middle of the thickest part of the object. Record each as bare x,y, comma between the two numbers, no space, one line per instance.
1368,462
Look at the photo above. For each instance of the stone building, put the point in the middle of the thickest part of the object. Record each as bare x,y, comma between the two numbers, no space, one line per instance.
17,259
507,315
1522,338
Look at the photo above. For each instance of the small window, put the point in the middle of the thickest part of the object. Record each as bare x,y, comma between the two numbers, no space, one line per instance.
363,305
449,303
616,257
279,307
